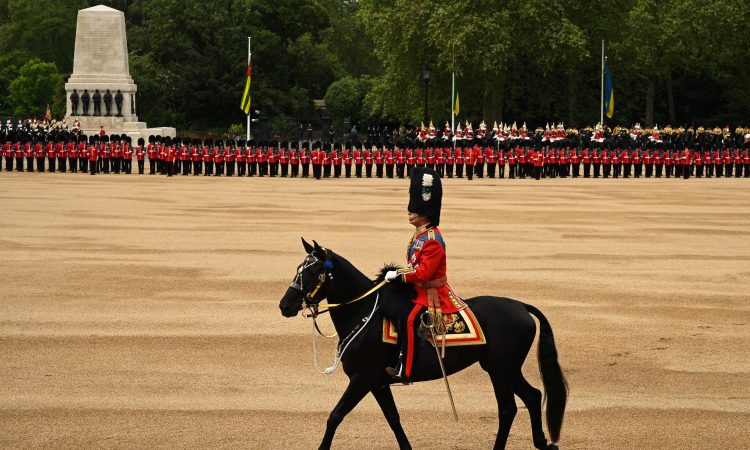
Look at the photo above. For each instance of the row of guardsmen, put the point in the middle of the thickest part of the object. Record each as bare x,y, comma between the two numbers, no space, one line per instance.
167,156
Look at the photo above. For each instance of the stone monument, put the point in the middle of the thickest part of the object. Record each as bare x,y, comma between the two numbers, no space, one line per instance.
101,63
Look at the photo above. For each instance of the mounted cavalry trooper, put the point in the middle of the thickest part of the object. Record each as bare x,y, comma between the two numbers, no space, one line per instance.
426,268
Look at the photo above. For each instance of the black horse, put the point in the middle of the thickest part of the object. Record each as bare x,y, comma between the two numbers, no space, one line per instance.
508,328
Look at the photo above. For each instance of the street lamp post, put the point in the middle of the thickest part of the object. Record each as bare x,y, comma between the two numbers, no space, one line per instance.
426,72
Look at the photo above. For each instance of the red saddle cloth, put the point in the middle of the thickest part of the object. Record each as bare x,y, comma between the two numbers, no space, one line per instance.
462,329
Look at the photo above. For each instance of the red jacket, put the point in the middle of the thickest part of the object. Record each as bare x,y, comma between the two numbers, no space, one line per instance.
427,261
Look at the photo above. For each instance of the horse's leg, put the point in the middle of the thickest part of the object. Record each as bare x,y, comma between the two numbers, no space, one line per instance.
506,406
384,396
532,398
354,393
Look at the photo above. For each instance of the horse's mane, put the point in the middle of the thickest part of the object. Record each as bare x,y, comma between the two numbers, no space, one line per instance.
395,298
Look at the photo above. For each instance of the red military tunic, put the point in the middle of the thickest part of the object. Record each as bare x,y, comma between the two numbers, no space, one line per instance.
427,262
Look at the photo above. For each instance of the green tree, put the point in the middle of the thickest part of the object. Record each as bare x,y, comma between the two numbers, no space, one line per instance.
43,29
34,88
344,98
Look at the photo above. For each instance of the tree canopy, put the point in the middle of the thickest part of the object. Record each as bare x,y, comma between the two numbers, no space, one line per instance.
676,61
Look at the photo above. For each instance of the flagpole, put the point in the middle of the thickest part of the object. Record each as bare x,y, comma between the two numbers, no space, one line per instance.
601,117
453,104
249,54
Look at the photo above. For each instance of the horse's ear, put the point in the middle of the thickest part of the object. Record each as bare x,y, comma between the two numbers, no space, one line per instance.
308,248
319,252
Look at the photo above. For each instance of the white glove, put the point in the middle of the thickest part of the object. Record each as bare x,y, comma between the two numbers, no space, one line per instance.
391,275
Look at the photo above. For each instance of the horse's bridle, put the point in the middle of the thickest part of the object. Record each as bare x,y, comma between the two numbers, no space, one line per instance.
309,300
311,260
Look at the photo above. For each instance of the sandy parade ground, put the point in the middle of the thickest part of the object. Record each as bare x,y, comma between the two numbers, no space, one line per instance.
142,312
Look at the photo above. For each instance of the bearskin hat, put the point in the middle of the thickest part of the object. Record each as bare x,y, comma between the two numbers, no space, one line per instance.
168,141
151,139
251,142
305,146
209,142
426,194
141,142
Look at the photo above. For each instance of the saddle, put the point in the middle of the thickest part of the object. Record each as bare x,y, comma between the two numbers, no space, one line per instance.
462,328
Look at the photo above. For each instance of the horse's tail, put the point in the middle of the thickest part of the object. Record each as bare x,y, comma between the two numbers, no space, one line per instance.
555,385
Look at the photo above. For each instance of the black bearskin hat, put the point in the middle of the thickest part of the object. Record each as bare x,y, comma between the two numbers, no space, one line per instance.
426,194
151,139
141,142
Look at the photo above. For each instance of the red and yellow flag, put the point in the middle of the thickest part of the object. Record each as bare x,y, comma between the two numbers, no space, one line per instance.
246,98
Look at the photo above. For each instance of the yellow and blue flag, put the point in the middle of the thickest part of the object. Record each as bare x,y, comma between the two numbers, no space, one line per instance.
609,95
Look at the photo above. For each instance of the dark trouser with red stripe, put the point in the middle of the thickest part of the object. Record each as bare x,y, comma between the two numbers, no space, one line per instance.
408,333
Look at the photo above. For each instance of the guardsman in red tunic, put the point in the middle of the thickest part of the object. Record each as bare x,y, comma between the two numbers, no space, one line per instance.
336,156
658,162
29,152
317,161
450,161
429,155
538,164
368,160
171,154
440,161
606,163
698,161
379,160
327,159
426,269
470,158
7,146
140,156
83,153
151,152
304,159
686,163
20,151
185,156
127,154
93,155
400,160
511,156
72,154
746,155
737,163
348,158
62,155
708,163
283,159
116,156
500,163
410,159
390,160
359,159
479,160
39,151
294,159
586,157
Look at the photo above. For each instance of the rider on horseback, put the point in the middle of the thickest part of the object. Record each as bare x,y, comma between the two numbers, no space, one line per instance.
426,268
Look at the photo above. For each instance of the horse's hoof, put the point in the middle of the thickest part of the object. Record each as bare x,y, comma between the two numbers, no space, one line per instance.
553,447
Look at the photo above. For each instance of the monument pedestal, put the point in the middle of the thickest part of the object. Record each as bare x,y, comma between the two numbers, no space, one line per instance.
101,62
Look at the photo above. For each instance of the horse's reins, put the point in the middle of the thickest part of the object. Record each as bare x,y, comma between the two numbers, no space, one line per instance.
313,305
309,300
